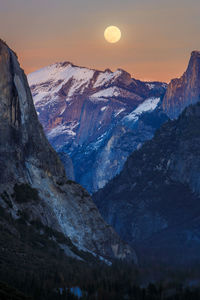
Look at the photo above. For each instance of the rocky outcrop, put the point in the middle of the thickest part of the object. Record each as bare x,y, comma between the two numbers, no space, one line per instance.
33,184
183,91
82,112
154,203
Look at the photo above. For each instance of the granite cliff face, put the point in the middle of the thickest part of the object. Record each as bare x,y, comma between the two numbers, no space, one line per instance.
183,91
154,203
96,117
98,162
33,185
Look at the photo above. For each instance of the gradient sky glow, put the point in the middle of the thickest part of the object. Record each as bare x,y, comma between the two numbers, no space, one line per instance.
157,35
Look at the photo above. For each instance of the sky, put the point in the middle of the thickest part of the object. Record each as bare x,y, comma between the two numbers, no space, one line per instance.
157,35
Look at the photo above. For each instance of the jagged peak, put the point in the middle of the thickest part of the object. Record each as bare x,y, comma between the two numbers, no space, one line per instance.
61,65
122,71
185,90
107,70
194,64
194,58
195,53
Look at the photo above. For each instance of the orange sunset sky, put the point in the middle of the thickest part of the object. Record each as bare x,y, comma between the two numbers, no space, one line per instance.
157,35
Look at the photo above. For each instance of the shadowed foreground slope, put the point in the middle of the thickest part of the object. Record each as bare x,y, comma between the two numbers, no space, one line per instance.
154,203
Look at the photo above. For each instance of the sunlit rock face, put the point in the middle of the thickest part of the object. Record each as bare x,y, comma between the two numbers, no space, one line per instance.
183,91
97,118
32,177
154,203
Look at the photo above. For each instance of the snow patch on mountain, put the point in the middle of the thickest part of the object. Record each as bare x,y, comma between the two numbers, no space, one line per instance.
103,108
63,129
112,92
106,77
119,112
150,85
97,144
148,105
63,110
109,92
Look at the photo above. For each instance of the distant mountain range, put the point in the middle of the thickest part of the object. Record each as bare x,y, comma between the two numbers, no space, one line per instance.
154,203
97,118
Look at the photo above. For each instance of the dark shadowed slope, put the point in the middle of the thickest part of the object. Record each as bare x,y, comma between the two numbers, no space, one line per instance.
154,203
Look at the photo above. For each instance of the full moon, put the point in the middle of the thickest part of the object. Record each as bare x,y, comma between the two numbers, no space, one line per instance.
112,34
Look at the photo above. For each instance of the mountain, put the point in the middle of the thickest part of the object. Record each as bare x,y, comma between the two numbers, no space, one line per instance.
34,190
96,117
183,91
154,203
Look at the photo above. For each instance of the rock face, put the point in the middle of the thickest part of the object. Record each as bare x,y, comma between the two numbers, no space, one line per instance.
33,182
154,203
85,112
67,162
183,91
98,162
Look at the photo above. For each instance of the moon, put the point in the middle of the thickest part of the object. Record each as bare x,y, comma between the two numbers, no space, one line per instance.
112,34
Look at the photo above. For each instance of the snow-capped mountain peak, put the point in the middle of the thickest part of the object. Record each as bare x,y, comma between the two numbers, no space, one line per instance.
80,108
